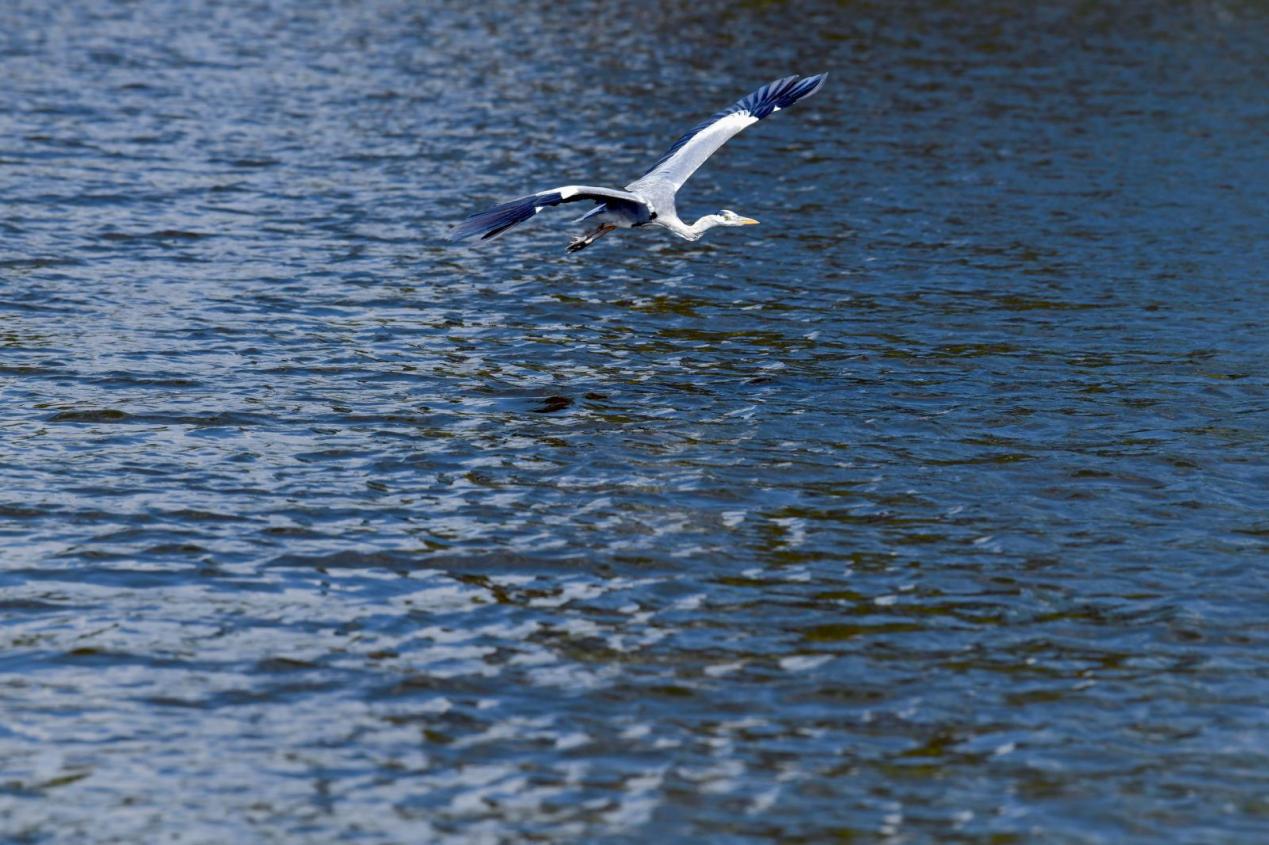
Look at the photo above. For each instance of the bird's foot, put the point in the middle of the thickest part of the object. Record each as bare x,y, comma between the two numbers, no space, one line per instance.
583,241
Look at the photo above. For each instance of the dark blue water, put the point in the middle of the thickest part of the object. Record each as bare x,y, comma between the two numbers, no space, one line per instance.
932,509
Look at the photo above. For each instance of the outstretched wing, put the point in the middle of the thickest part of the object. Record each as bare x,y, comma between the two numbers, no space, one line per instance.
495,221
680,161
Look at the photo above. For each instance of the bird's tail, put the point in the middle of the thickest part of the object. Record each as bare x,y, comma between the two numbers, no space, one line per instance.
500,218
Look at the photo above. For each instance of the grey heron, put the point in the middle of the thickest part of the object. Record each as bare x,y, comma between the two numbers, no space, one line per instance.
649,200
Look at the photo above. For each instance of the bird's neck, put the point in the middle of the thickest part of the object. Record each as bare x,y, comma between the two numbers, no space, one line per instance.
694,231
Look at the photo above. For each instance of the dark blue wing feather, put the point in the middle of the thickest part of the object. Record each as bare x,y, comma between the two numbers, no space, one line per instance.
495,221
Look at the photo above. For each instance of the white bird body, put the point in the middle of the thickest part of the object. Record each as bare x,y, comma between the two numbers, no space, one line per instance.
649,200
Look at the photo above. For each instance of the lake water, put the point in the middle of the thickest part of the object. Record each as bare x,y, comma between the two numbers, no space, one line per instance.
932,509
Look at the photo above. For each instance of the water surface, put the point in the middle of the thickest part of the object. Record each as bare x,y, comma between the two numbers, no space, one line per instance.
932,509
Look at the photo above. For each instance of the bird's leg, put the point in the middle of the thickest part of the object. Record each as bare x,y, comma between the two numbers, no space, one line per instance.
583,241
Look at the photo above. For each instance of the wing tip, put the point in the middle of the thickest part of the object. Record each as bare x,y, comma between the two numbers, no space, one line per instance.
492,222
781,93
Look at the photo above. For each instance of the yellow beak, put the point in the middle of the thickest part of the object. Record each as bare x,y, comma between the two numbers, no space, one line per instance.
748,221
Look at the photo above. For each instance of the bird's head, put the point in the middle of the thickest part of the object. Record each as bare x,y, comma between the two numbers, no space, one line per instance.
727,217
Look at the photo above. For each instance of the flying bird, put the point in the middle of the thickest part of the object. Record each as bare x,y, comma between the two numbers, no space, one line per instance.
649,200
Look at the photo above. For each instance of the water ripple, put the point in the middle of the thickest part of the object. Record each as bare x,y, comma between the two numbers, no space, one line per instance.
931,509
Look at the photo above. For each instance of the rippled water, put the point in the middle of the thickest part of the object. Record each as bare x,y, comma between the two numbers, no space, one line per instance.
932,509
